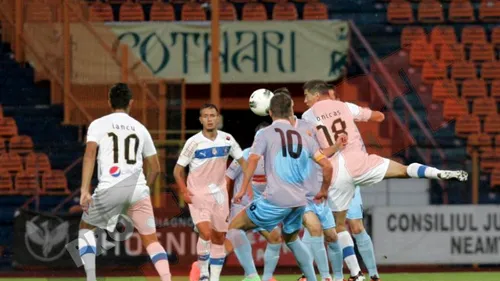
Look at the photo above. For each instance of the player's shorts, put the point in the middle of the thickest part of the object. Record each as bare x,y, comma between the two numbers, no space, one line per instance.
341,191
355,211
267,216
324,214
108,204
208,210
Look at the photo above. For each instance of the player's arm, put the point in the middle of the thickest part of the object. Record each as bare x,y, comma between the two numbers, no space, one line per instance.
364,114
237,153
150,155
253,160
185,158
377,116
339,145
232,173
93,136
327,170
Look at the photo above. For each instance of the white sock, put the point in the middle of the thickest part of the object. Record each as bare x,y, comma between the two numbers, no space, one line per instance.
347,245
203,250
87,248
416,170
216,261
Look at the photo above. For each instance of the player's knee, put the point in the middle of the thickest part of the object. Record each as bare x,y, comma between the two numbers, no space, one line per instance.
275,237
315,230
356,226
330,235
148,239
217,238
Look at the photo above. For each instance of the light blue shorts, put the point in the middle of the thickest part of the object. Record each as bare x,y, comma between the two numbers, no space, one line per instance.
355,211
324,214
267,216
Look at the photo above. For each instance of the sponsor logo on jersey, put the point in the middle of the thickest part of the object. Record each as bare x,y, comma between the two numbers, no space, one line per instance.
214,151
115,171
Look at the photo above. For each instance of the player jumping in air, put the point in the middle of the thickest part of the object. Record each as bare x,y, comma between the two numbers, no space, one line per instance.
353,166
206,153
123,143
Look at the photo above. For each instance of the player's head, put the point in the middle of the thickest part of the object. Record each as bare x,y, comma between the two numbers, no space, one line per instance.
283,91
120,97
315,90
331,92
261,126
209,116
281,107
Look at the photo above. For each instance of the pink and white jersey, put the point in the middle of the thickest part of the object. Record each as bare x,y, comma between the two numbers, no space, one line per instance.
332,118
207,161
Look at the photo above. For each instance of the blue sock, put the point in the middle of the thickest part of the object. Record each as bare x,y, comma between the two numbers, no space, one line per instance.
243,251
365,247
271,257
319,254
304,259
336,259
306,239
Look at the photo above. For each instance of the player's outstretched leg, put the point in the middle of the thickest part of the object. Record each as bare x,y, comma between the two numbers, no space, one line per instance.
217,255
272,253
416,170
347,245
317,245
87,246
365,247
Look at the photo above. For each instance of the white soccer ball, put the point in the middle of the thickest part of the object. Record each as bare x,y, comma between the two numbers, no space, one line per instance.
260,101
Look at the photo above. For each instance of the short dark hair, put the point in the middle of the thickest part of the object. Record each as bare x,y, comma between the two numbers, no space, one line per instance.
209,105
262,125
283,91
120,96
317,86
281,106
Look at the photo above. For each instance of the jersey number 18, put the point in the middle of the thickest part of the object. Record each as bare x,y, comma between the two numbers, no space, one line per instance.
128,155
335,130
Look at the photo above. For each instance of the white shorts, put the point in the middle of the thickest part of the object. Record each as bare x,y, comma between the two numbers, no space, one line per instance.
342,190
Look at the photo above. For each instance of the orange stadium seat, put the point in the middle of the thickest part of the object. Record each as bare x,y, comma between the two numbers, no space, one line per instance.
454,108
227,11
77,9
26,183
21,144
399,12
254,12
2,146
463,70
461,11
420,52
473,35
315,11
444,89
482,52
492,124
99,11
489,160
474,88
495,89
489,11
8,127
193,12
495,36
452,53
6,186
130,11
466,125
55,183
117,1
490,70
480,142
497,140
483,107
161,11
38,162
412,34
1,111
39,12
430,12
285,11
177,1
443,35
11,162
240,1
495,177
433,70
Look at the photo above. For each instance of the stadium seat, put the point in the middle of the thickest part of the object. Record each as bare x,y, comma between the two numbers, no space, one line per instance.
443,35
454,108
193,12
1,111
495,36
285,11
497,140
130,11
11,162
463,70
489,11
227,11
466,125
430,12
495,177
37,162
444,89
315,11
490,70
473,35
481,142
492,124
178,1
78,9
21,144
400,12
39,12
481,52
495,90
161,11
3,148
483,107
461,11
254,12
55,183
6,186
99,12
113,2
420,52
8,127
433,70
489,160
451,53
26,183
474,88
412,34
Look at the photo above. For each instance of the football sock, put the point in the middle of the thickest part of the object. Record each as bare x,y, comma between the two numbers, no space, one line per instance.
203,251
160,260
304,259
271,257
244,253
335,255
217,257
347,246
416,170
365,247
319,254
87,248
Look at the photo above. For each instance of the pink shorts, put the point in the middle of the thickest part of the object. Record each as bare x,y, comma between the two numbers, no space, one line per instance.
206,209
142,216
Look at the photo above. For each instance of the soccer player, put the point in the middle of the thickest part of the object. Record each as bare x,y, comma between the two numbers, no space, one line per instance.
206,153
353,165
123,142
289,176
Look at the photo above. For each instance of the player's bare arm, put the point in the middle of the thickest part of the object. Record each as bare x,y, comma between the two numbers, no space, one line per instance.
327,169
253,160
180,179
377,116
87,171
154,169
339,145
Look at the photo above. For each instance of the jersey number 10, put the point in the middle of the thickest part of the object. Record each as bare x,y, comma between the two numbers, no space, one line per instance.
287,145
127,148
